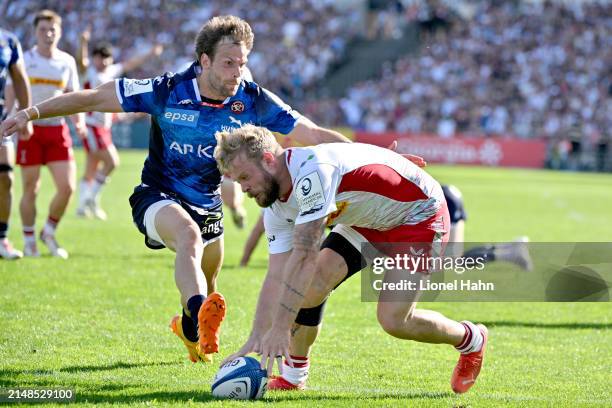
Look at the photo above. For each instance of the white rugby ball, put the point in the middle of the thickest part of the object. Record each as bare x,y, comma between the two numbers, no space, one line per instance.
241,378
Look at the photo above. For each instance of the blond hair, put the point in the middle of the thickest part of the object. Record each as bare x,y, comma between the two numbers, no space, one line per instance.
248,139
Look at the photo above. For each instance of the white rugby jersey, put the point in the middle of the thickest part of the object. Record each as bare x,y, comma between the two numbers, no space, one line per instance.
354,185
50,77
94,78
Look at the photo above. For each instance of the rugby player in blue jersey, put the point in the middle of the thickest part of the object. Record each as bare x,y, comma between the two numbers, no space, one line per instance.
178,205
11,65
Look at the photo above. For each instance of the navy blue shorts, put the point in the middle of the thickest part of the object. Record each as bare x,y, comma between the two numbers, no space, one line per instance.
209,220
454,200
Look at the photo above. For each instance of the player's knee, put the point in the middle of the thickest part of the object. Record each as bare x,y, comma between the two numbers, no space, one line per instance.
6,177
65,189
30,188
188,236
396,323
310,316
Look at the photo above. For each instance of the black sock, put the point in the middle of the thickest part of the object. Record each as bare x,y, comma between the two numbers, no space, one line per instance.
3,229
189,329
193,305
484,252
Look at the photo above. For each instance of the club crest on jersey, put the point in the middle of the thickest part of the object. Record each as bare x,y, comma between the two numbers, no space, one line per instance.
237,107
181,117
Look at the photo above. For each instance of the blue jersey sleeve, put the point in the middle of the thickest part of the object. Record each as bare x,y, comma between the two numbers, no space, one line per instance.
16,53
143,95
273,113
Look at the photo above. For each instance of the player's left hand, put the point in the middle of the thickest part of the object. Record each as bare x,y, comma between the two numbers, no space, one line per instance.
275,346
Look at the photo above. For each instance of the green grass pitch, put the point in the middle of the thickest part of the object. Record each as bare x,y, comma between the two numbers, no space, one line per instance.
98,323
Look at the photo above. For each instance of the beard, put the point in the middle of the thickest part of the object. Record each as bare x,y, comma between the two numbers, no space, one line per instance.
270,192
221,88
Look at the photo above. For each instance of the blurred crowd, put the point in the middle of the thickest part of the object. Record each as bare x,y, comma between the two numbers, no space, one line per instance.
294,45
527,69
530,69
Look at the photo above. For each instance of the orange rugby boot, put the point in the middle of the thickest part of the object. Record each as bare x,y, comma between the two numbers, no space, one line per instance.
469,365
192,346
210,316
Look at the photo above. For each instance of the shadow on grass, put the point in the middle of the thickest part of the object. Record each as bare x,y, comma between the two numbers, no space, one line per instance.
8,373
183,396
504,323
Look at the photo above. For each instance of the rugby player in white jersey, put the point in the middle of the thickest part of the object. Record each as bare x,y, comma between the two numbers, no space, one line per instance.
98,144
370,195
52,72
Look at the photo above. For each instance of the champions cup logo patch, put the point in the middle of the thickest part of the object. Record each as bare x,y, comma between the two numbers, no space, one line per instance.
237,107
306,186
136,86
310,197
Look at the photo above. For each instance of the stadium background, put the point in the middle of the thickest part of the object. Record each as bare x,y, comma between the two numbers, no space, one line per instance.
483,70
496,84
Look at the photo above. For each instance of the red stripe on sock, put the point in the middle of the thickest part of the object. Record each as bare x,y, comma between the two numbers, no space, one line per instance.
53,221
298,362
467,338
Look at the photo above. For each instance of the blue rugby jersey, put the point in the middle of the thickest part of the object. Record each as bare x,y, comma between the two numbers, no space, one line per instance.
10,53
183,128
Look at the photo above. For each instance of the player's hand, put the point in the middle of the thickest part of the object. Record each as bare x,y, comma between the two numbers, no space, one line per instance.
81,130
86,34
275,345
418,160
157,50
14,124
253,345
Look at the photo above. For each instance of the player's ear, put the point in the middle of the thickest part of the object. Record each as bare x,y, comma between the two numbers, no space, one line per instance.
268,161
205,61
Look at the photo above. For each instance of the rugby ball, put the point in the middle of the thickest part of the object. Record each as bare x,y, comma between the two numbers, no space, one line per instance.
241,378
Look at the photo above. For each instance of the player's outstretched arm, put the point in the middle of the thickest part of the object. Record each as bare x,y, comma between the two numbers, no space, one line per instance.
307,133
297,277
139,60
266,306
101,99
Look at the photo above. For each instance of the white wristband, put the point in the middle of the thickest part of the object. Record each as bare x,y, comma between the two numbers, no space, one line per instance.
37,112
26,113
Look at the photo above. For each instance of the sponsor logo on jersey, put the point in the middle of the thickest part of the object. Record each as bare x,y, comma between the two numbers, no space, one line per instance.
182,117
136,86
48,81
186,148
237,107
185,102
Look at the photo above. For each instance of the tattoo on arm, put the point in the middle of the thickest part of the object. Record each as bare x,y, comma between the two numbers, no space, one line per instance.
308,236
292,289
289,309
